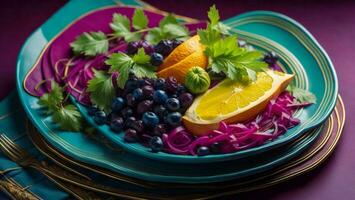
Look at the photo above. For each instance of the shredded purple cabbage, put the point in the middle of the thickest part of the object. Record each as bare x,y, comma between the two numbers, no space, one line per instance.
274,121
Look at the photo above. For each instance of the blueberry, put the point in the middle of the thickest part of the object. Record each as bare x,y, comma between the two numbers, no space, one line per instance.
203,151
149,81
144,106
100,117
129,122
156,59
126,112
160,129
176,43
271,57
150,119
131,85
138,126
92,110
117,104
181,89
174,119
137,93
160,96
164,47
186,99
156,144
148,91
132,47
171,84
215,147
131,101
159,110
159,84
131,136
174,96
117,124
172,104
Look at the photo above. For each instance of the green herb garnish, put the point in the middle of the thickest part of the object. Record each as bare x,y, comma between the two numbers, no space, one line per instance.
302,96
169,28
66,115
90,44
138,64
93,43
101,90
225,55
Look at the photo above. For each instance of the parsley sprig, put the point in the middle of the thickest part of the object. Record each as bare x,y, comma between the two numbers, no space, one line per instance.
66,115
101,87
138,64
225,55
93,43
302,95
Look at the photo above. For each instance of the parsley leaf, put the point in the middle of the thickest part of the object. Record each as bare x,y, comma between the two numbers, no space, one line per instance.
214,30
68,117
237,63
90,44
140,57
303,96
139,65
121,63
213,15
101,90
53,99
121,26
169,28
139,20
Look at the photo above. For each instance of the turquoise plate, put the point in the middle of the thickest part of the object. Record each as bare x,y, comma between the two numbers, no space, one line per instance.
77,146
300,54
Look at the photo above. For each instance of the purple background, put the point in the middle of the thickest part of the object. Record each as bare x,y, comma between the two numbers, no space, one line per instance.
331,22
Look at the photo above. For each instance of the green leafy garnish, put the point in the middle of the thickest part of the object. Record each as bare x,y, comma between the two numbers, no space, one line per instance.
138,64
67,116
237,63
53,99
90,44
121,26
302,96
225,55
169,28
139,20
101,90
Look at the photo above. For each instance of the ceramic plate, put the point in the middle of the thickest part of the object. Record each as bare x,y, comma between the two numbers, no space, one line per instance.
65,141
299,54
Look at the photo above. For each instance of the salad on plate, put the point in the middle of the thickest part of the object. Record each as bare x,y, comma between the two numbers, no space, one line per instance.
175,90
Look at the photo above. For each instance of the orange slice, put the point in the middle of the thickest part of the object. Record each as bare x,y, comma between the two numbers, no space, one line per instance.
234,102
180,69
182,51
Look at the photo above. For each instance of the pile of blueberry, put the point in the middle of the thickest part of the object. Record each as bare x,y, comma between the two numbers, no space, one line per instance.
145,109
157,53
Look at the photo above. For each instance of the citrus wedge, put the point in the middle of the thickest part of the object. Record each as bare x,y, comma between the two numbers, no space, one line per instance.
234,102
180,69
182,51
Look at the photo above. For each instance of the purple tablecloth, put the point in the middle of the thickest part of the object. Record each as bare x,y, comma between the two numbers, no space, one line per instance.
331,22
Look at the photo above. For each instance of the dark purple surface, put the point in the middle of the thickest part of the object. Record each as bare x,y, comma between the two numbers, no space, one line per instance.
331,22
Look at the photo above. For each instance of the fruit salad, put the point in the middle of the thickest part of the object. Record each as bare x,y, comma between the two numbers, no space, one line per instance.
178,92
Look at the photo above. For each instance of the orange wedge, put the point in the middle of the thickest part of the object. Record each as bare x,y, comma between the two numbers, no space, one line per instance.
182,51
234,102
180,69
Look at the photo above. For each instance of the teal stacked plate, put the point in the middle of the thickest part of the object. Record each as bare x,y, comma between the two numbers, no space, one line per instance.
299,52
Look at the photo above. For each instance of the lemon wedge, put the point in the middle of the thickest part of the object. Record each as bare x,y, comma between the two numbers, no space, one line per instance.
234,102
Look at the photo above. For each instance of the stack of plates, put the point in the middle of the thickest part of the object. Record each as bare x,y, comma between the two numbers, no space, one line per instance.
120,169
